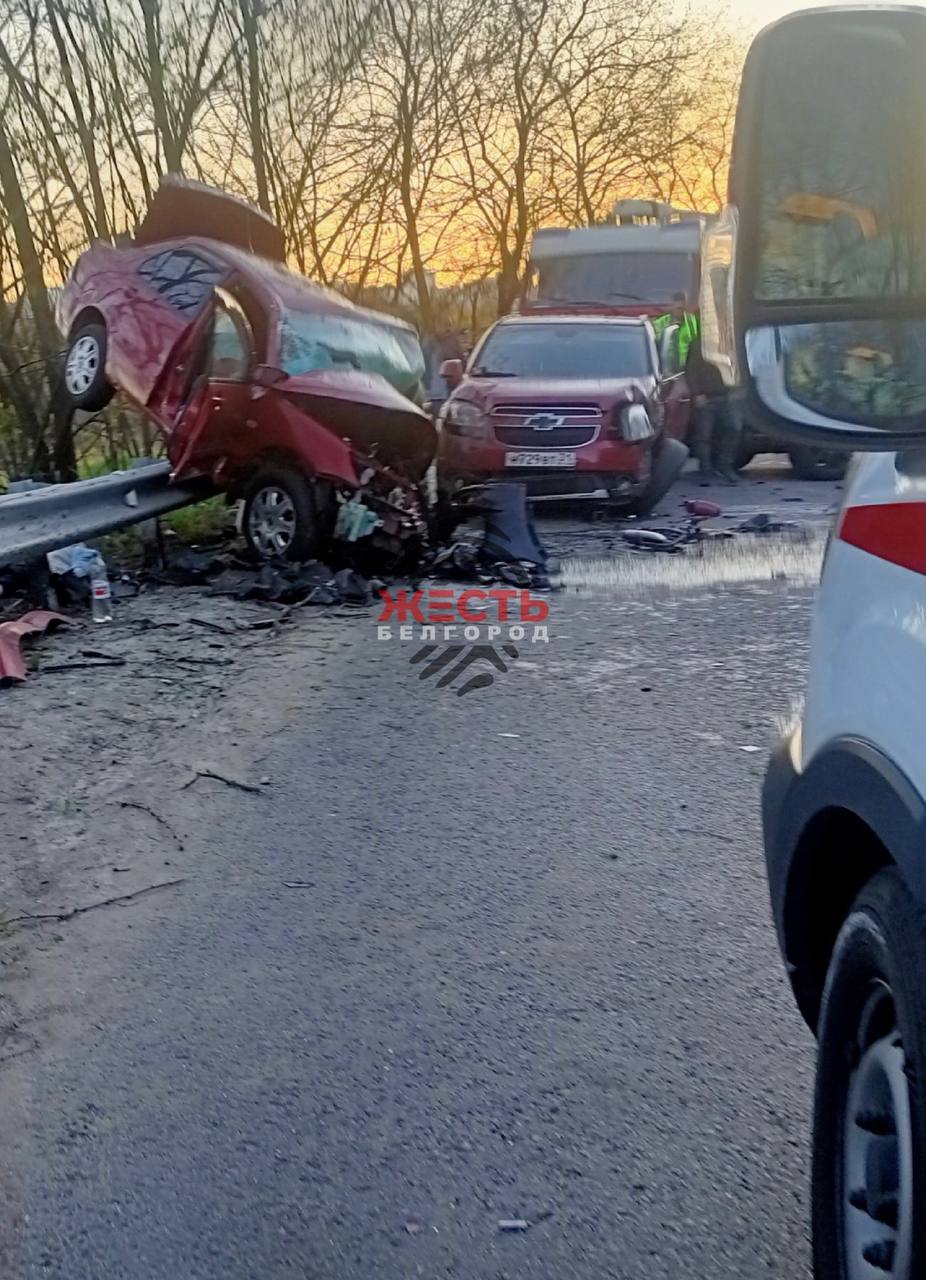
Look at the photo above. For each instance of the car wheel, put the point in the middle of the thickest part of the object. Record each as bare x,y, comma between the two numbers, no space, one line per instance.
869,1146
280,519
817,464
744,456
84,375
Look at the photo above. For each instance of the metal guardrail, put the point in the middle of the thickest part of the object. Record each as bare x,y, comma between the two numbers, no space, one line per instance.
42,519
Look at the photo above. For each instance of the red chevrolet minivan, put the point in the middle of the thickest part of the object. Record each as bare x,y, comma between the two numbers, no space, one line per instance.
571,405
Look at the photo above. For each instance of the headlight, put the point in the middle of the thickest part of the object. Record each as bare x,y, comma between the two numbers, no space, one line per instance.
635,423
463,418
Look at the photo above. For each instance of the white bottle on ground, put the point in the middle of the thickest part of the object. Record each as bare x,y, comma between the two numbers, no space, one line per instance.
100,594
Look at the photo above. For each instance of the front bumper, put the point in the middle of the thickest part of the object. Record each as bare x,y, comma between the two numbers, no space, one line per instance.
606,470
573,486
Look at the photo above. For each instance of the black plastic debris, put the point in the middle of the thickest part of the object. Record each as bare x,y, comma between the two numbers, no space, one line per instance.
762,522
284,583
124,587
509,530
516,575
352,587
465,562
189,568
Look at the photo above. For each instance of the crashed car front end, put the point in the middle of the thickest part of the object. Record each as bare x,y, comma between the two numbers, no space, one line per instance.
364,446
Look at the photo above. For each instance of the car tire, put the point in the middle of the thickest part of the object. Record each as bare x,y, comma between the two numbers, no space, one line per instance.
743,458
817,464
869,1141
669,457
280,520
84,375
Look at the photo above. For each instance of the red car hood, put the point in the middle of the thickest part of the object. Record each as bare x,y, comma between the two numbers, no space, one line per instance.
367,410
605,392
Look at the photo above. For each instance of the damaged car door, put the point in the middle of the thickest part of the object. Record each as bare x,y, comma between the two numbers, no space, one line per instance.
215,392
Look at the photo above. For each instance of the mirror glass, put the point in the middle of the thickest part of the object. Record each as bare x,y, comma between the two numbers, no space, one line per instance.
840,162
866,372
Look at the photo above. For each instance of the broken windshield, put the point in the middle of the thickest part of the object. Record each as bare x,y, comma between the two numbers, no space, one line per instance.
311,341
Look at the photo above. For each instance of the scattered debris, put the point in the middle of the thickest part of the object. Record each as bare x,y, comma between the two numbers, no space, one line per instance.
189,567
509,735
703,508
298,884
414,1226
77,559
762,522
12,666
309,583
352,587
648,538
60,916
466,562
751,750
513,1224
221,777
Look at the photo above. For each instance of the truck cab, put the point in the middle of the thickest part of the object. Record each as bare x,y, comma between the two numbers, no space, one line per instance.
631,265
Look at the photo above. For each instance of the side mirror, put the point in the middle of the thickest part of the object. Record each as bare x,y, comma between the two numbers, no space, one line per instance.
668,351
813,283
265,375
452,372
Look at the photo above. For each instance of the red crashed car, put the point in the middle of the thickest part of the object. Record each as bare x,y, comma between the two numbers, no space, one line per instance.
573,406
265,386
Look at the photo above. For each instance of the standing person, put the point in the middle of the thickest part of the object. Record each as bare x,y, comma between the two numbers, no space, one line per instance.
716,426
688,329
438,347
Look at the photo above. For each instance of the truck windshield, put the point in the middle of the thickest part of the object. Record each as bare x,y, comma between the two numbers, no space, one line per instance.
312,341
617,278
564,351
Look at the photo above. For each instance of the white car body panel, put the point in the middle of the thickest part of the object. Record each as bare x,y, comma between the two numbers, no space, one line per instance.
868,653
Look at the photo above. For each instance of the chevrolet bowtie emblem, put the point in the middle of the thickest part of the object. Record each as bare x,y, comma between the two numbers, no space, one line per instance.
544,421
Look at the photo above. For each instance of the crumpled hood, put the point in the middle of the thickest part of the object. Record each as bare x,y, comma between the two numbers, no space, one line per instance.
367,410
605,392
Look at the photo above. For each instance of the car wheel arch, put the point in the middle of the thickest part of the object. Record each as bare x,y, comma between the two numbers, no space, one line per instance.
835,857
87,315
267,460
851,812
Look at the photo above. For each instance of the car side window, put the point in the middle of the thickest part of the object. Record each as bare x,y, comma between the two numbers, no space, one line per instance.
183,279
231,346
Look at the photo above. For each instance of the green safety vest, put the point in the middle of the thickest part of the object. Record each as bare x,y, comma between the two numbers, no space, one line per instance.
688,330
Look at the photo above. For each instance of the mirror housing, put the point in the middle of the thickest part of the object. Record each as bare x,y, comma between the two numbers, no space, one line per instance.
668,364
267,375
452,372
813,280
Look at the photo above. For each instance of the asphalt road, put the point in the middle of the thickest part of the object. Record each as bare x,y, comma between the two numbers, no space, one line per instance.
527,973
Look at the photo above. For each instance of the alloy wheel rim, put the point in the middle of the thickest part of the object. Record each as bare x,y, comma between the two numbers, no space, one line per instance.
877,1173
272,521
82,365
